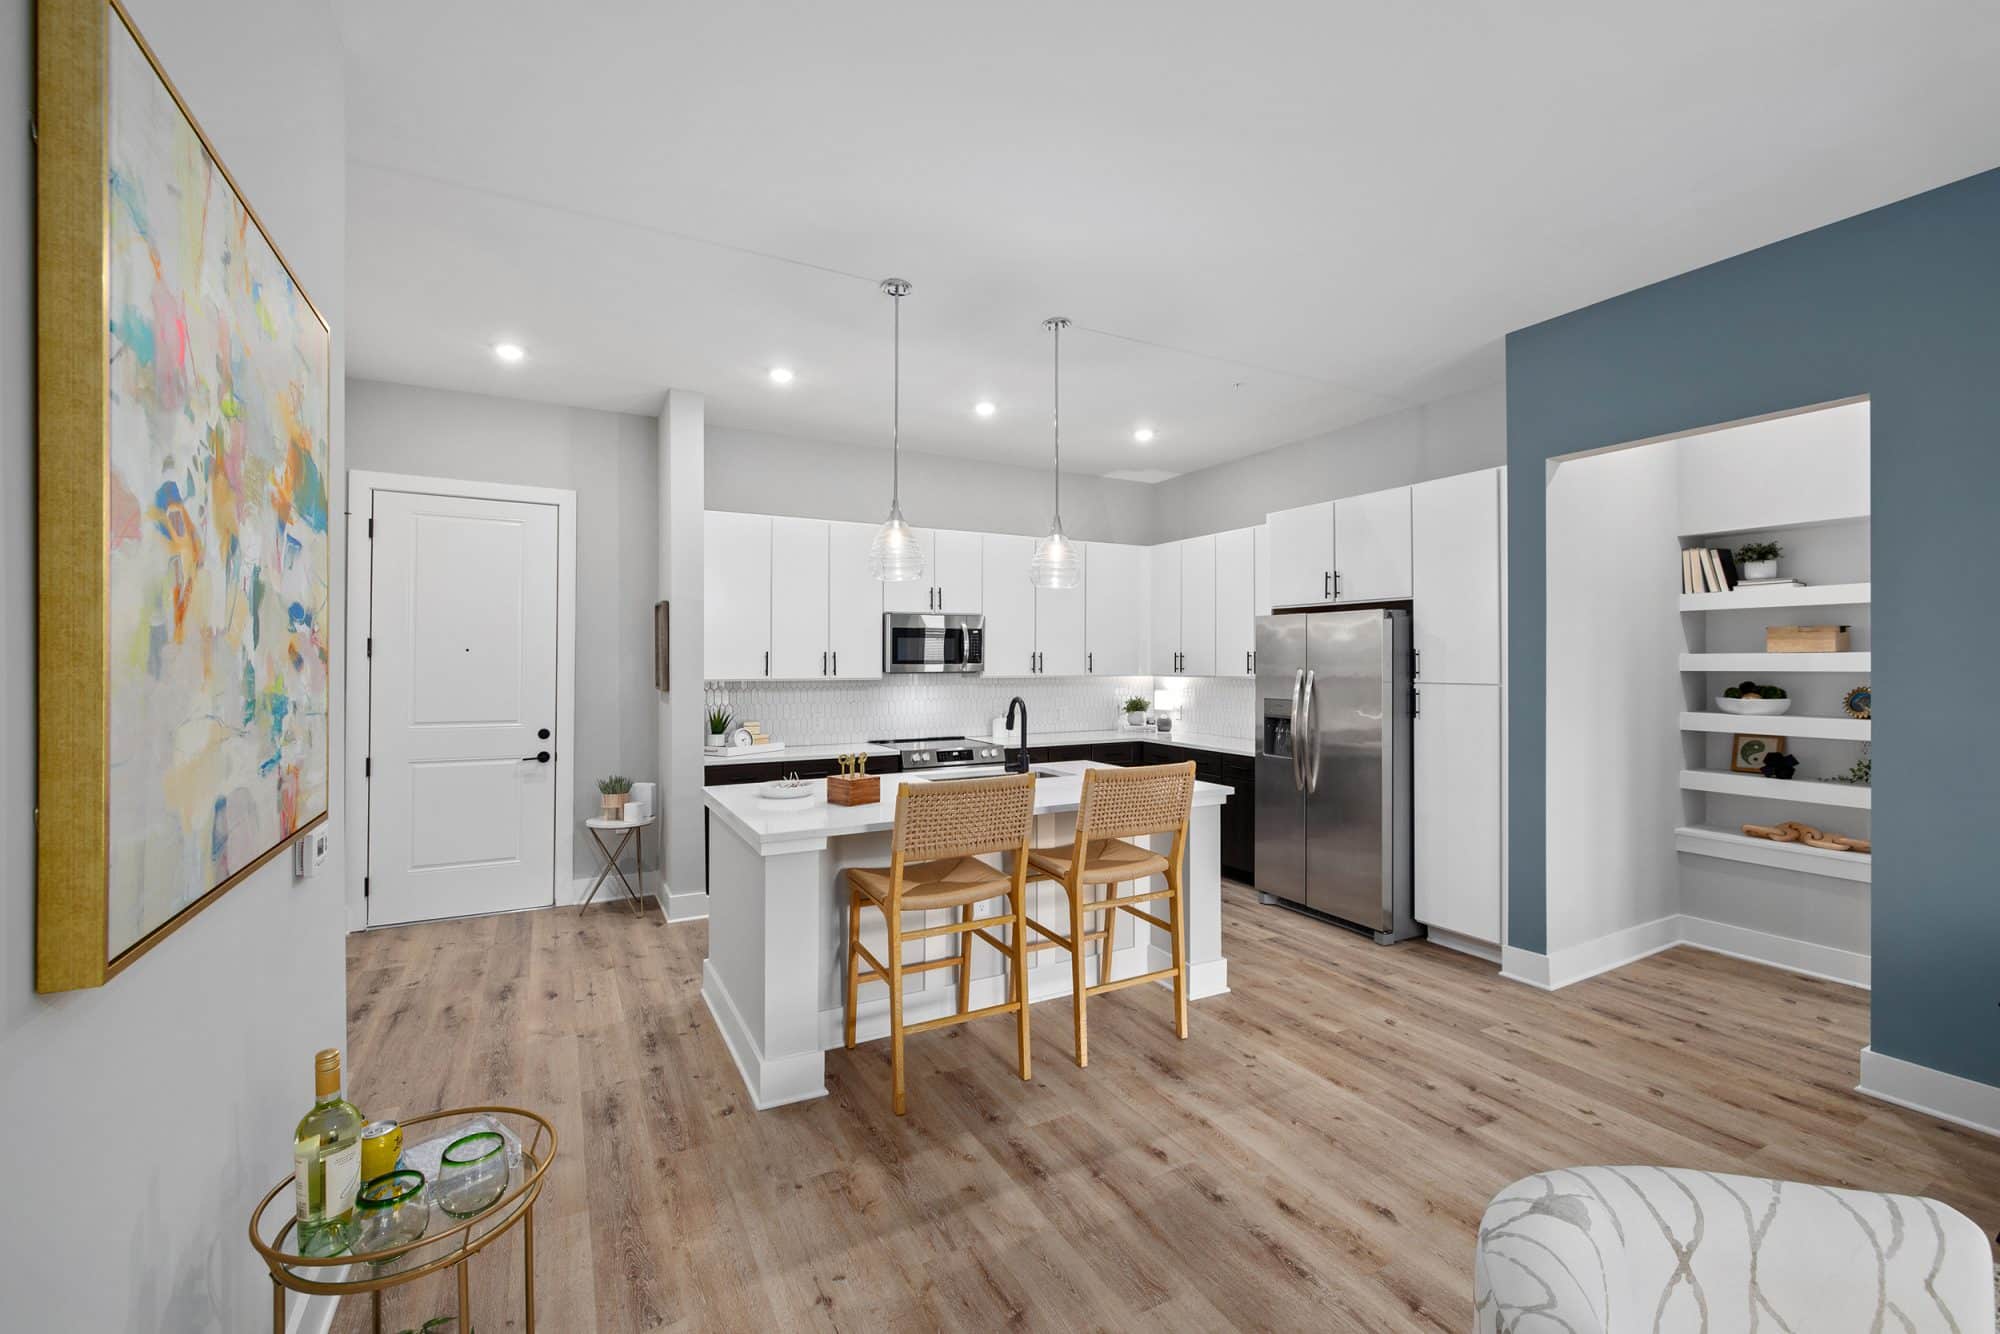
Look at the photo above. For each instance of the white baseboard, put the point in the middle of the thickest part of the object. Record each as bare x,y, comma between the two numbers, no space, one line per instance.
1797,956
1573,963
1948,1097
771,1082
1451,940
687,907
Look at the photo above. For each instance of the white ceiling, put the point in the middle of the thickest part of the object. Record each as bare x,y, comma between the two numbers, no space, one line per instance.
1266,220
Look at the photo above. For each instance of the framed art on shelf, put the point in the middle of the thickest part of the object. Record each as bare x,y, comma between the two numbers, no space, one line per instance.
1748,749
182,504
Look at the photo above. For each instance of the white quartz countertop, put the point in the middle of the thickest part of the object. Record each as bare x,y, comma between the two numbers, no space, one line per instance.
773,825
1212,741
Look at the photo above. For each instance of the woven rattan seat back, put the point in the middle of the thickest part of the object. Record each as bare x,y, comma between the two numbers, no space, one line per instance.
964,818
1126,803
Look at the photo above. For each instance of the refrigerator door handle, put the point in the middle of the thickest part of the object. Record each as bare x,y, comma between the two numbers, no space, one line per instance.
1297,735
1312,733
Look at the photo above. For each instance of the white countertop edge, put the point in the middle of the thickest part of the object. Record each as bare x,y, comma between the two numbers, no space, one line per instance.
1211,741
765,755
879,817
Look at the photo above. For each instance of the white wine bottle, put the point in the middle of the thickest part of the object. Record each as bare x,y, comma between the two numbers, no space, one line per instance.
326,1161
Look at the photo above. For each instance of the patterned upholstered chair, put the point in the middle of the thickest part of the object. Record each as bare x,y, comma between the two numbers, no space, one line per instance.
1662,1250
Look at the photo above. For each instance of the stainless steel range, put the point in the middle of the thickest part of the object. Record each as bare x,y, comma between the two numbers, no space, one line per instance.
943,752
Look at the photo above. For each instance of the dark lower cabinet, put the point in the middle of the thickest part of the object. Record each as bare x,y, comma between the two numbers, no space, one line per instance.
1239,813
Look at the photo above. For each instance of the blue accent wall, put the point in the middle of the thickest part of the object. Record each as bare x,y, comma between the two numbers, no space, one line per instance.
1901,304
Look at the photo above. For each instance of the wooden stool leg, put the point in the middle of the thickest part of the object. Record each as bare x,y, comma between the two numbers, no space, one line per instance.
896,1016
1110,927
1077,996
964,960
1177,932
1019,967
853,960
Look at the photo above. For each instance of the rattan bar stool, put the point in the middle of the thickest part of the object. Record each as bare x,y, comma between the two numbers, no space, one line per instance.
1120,804
941,828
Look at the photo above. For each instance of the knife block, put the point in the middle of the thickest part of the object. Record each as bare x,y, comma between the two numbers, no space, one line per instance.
853,789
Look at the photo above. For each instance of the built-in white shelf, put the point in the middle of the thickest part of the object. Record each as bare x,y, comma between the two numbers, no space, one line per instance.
1774,662
1812,791
1728,844
1787,725
1822,595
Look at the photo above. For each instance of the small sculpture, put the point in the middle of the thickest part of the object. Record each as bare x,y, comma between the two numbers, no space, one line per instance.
1777,764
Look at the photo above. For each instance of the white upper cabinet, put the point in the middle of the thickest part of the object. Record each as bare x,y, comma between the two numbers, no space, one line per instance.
915,594
799,598
1457,800
1371,546
853,603
736,595
1455,578
1235,600
1166,588
1009,604
1117,590
1198,606
1262,537
1061,636
1301,555
957,569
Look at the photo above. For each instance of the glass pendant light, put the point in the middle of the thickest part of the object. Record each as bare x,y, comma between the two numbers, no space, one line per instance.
1056,564
895,556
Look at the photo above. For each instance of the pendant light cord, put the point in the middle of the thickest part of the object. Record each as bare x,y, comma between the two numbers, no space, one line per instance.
1056,327
896,411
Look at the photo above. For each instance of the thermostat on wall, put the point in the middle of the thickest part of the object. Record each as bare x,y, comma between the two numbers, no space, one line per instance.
309,852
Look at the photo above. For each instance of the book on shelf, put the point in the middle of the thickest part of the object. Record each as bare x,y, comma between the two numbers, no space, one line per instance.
1707,570
1772,583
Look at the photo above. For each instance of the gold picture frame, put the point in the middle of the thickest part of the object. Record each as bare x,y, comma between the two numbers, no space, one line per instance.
83,49
1748,749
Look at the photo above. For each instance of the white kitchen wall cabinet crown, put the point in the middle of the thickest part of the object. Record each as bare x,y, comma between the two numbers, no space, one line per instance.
1371,546
1117,616
1455,578
736,598
1301,555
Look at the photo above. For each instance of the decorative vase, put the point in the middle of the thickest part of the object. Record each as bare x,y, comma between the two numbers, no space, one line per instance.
1135,719
1760,569
612,804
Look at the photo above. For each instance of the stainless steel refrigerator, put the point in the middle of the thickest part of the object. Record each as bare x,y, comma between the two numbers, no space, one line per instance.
1333,766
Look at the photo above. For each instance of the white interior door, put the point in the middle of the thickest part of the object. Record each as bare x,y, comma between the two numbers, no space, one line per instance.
1371,545
853,602
1010,603
462,704
799,645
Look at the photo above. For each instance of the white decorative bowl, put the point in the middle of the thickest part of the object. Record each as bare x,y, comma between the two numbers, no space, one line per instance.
1752,708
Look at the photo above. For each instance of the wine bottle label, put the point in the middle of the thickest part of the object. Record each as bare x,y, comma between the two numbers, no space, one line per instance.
325,1186
305,1174
343,1179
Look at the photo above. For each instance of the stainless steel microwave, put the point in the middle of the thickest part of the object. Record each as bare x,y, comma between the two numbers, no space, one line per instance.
933,641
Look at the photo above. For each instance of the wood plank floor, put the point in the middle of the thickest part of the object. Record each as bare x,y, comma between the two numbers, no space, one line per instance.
1315,1156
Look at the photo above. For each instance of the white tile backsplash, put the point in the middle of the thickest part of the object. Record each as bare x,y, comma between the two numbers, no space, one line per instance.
810,713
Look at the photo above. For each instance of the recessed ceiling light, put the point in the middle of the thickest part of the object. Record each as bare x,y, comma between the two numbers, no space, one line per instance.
1144,435
510,353
781,375
984,408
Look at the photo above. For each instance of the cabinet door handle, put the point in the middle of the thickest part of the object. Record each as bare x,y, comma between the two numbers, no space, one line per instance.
1416,662
1246,662
822,662
767,662
1336,583
836,662
1326,584
1090,662
1416,703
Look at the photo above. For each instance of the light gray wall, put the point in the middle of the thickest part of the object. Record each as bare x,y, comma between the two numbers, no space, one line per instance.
755,473
611,461
1462,433
150,1114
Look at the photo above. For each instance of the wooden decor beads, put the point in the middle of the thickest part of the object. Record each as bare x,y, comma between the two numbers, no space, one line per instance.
1794,832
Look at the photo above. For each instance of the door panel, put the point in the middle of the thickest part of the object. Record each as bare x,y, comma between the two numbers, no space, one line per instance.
1060,632
960,569
1117,597
1345,853
1010,605
1301,555
1198,606
798,598
1280,803
1371,545
853,602
462,680
1455,578
736,595
1458,766
1165,575
1235,601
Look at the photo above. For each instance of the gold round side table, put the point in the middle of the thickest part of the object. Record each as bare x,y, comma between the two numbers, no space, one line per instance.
452,1247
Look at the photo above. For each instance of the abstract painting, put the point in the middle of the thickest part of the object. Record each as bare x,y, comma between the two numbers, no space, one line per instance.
211,569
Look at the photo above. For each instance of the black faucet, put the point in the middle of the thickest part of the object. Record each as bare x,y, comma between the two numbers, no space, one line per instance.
1019,766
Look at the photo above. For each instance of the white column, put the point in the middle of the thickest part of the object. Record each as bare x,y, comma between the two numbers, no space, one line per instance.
682,499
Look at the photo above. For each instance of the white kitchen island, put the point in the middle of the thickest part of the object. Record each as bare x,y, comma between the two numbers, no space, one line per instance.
777,926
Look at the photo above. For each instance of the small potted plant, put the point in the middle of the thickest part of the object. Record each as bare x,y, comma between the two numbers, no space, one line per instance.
1758,560
1135,712
719,718
613,792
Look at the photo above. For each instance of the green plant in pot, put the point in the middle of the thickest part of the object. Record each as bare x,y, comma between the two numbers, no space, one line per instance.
719,718
612,794
1135,711
1758,560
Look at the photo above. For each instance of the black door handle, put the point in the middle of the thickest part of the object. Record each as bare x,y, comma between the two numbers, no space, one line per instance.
539,757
